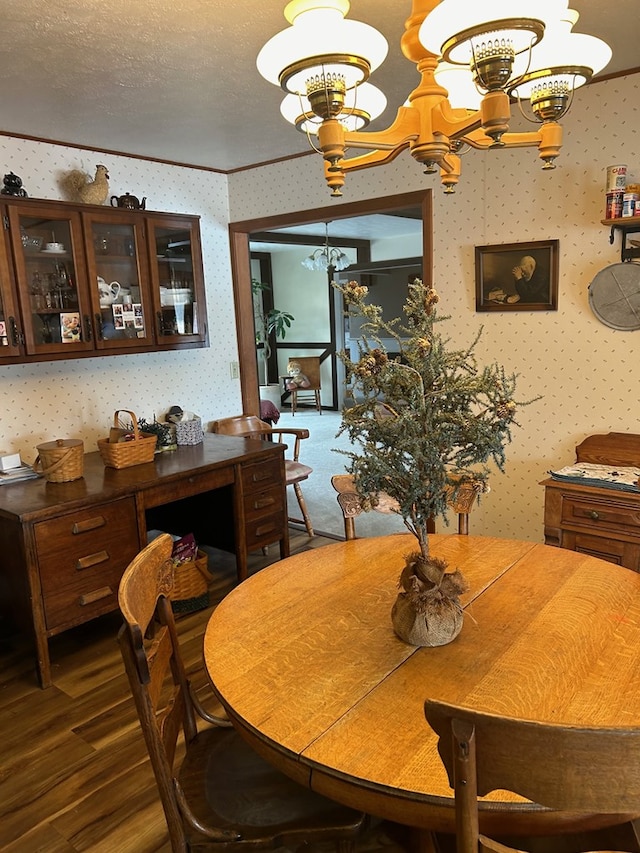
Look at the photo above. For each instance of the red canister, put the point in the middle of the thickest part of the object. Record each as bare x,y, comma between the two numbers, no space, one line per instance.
615,201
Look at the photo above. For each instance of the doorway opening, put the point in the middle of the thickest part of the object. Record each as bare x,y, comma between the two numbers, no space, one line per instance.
300,232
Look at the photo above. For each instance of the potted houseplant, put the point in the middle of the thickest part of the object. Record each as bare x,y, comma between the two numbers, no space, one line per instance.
267,323
424,424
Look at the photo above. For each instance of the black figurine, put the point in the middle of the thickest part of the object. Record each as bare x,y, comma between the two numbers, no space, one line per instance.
13,186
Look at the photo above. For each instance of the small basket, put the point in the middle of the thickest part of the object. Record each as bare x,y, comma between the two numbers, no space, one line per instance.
124,454
61,460
189,432
191,585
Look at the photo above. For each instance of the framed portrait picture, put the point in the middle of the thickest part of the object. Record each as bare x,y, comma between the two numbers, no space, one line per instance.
517,276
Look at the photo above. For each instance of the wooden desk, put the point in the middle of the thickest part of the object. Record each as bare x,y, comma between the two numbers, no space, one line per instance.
304,659
64,546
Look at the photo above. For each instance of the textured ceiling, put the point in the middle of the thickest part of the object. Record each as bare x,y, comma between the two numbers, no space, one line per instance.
176,79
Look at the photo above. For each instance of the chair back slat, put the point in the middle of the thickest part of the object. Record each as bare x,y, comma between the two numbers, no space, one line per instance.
557,766
158,657
170,723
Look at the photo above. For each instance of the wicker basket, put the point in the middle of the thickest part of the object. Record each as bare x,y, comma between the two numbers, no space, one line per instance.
189,432
191,585
124,454
61,460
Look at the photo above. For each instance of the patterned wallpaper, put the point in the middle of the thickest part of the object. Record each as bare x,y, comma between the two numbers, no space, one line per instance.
585,373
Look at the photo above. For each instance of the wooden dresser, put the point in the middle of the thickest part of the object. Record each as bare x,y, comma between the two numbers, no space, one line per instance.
64,546
603,522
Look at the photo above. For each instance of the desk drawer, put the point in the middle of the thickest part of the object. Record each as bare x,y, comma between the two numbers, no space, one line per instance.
196,484
81,557
264,530
261,474
262,503
601,516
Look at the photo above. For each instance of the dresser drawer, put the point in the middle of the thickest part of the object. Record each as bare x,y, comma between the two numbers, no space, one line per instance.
601,516
81,557
262,474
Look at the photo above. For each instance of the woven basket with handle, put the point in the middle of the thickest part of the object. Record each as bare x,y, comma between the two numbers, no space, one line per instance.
123,454
191,585
61,460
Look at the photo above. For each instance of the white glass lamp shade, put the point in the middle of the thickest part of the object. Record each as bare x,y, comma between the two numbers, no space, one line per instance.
322,259
362,105
458,81
320,42
562,57
457,27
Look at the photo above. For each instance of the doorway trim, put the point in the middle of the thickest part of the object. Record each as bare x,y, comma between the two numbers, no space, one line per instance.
239,234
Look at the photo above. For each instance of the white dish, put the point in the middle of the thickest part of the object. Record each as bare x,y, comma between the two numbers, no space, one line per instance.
54,251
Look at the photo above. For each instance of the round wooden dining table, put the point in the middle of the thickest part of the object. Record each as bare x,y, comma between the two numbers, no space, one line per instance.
303,657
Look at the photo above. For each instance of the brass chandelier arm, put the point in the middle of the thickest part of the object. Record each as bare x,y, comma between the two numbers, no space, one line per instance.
547,135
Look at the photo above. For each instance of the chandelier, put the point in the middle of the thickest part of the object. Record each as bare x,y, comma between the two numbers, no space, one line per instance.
474,59
326,257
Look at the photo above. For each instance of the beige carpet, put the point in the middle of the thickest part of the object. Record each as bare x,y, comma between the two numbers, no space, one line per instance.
319,451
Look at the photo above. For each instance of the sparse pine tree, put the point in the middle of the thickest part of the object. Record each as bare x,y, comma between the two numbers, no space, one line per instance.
424,423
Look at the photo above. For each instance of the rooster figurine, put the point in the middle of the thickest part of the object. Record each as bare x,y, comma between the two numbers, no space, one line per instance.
79,186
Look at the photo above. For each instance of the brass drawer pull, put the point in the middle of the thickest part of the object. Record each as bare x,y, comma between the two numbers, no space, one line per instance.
260,503
96,595
92,560
260,476
88,524
594,515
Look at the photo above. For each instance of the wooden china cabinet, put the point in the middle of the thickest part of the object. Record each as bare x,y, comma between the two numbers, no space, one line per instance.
85,280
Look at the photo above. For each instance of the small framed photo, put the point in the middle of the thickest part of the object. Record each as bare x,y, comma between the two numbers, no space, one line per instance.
517,276
70,329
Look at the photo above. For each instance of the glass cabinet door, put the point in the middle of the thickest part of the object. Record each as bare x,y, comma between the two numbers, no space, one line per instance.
120,293
177,281
49,264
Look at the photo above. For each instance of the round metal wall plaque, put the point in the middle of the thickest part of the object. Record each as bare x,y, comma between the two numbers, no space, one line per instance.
614,296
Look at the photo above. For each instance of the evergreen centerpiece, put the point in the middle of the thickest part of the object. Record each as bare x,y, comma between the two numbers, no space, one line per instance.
426,422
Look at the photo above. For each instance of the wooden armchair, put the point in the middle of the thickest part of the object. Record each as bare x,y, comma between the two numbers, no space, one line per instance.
220,795
565,768
250,426
351,505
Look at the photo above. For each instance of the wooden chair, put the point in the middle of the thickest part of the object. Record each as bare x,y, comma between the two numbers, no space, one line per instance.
565,768
351,505
222,796
250,426
310,367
